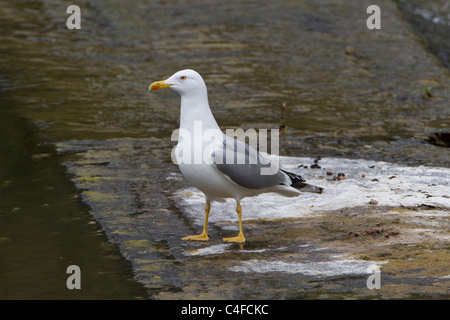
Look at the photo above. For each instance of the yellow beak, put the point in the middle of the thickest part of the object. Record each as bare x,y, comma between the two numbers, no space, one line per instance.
158,85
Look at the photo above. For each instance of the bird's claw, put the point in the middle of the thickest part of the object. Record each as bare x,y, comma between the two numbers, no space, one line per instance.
238,239
200,237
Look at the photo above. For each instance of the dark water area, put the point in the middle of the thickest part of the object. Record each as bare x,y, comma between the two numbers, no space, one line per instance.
313,68
45,227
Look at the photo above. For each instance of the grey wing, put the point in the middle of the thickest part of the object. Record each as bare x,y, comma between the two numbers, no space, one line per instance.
245,166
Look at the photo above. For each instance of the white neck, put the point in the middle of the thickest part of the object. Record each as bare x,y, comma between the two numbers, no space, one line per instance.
196,108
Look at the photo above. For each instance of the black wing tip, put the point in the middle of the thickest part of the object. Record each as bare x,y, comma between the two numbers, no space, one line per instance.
299,183
307,187
295,178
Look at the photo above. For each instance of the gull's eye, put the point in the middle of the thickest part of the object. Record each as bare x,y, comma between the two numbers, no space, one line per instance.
183,78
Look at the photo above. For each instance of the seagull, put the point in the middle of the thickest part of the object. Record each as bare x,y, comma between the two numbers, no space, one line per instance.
224,167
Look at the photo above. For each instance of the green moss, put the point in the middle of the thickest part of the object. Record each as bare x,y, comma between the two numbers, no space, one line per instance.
137,243
99,196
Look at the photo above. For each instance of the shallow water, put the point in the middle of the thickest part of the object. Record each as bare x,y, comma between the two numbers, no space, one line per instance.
346,92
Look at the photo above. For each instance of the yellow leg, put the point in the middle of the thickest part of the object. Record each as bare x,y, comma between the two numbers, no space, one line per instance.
204,235
240,237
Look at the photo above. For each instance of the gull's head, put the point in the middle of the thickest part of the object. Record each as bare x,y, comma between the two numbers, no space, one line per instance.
185,82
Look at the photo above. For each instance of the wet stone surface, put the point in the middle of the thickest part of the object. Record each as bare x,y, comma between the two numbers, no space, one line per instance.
145,207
